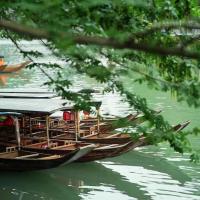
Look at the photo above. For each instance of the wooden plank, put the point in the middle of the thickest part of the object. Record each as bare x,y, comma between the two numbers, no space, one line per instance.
27,156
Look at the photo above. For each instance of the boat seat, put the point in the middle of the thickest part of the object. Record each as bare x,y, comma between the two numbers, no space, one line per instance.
54,144
58,135
88,136
10,149
113,135
49,157
28,156
83,133
107,146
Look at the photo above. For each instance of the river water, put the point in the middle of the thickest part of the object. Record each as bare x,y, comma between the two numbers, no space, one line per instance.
153,172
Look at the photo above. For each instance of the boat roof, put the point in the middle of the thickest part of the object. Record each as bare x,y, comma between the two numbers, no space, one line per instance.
27,95
37,106
9,113
34,106
26,90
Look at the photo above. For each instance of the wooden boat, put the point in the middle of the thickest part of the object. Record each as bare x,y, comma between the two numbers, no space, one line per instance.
120,138
176,128
180,126
107,138
13,68
110,124
108,144
99,152
20,160
106,151
62,148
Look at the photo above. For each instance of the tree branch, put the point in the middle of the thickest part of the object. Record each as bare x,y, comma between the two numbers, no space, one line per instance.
100,41
18,47
190,41
191,25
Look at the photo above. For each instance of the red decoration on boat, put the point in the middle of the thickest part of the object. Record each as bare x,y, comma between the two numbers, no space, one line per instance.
66,115
7,122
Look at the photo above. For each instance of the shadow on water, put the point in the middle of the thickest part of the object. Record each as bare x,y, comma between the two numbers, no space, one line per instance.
149,162
102,176
79,180
95,177
69,182
33,186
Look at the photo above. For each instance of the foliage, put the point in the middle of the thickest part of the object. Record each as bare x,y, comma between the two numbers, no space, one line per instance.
157,41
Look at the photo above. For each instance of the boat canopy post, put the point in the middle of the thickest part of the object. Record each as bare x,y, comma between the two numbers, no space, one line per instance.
30,126
97,105
16,121
23,124
98,119
77,124
47,130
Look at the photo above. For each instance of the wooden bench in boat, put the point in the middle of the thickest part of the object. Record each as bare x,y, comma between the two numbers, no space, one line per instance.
10,149
113,135
49,157
28,156
63,141
88,136
106,147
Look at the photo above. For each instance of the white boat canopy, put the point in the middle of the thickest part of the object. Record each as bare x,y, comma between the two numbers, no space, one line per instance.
34,106
28,95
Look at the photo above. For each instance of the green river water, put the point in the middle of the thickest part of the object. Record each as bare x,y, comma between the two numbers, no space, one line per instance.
154,172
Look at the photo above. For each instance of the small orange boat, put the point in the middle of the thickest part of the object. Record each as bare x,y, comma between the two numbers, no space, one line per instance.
13,68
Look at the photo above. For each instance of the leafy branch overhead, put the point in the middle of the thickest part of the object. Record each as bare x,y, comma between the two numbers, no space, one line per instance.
153,42
133,42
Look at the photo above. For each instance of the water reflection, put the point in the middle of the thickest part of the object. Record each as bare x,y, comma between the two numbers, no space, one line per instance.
131,176
33,185
94,180
156,177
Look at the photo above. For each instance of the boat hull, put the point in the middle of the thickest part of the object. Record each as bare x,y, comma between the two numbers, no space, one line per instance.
62,151
109,139
28,164
107,151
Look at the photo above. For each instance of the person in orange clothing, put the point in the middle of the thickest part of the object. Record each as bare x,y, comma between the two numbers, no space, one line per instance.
2,63
2,60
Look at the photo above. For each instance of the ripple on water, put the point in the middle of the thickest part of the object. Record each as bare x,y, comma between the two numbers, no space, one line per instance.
157,185
104,192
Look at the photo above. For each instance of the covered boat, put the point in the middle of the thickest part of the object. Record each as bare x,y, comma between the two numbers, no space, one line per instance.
17,159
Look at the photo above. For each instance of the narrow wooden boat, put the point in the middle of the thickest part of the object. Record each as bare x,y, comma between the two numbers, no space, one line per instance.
20,160
176,128
14,68
111,124
107,138
99,152
137,118
61,148
180,126
142,141
120,138
106,151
